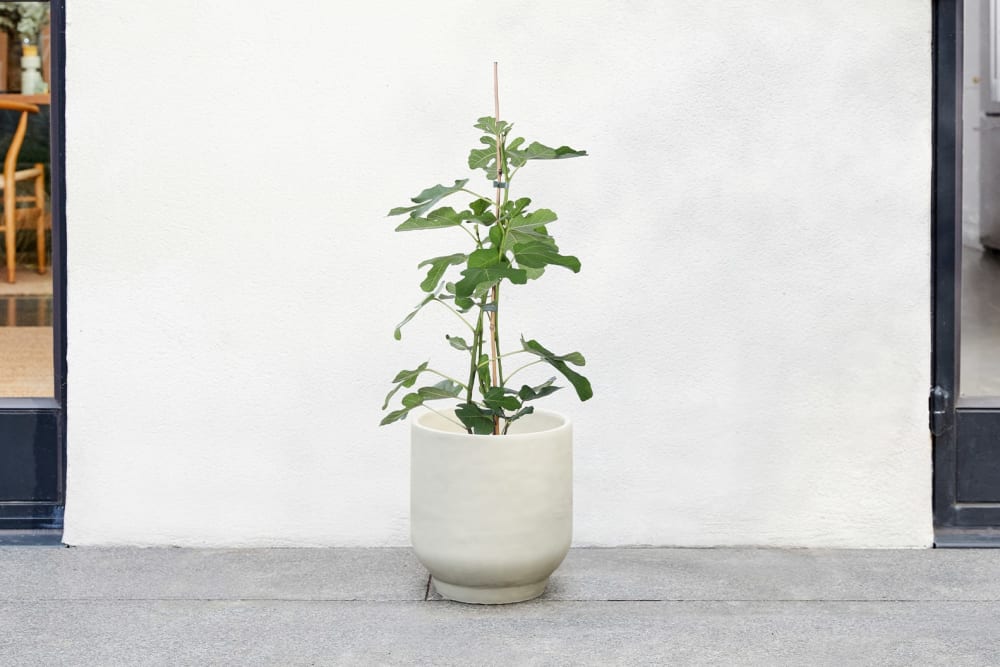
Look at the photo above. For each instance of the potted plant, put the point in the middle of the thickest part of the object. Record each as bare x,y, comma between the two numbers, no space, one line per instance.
491,476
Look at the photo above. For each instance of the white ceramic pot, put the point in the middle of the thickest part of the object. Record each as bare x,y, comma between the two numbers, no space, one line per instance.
491,517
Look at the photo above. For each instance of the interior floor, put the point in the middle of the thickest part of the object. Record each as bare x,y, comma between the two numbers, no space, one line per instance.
979,370
26,341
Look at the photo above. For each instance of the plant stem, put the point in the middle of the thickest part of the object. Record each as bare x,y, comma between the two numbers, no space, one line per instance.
483,382
444,416
457,314
466,230
506,354
475,194
540,361
498,358
477,335
476,345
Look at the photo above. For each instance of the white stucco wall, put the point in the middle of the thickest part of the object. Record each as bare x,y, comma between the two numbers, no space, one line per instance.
753,223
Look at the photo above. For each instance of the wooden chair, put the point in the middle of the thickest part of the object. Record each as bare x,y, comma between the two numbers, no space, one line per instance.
11,177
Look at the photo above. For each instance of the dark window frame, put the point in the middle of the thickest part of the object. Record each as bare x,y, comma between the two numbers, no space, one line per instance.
46,417
965,429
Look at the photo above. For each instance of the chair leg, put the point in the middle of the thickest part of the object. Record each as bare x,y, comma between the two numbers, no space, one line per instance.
9,233
40,223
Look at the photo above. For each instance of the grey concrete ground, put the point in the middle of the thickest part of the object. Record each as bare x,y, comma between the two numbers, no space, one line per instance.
86,606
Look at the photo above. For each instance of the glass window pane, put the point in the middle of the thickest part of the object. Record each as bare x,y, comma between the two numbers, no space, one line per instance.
26,335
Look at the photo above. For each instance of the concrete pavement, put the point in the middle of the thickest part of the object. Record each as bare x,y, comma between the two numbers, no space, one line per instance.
638,606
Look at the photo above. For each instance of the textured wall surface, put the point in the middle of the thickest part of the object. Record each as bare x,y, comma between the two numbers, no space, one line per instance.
753,222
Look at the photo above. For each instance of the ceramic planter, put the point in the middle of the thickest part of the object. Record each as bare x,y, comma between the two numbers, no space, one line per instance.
491,516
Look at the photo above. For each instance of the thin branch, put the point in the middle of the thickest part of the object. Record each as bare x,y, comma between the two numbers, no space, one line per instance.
457,314
540,361
475,194
496,335
505,354
444,416
474,238
474,354
483,382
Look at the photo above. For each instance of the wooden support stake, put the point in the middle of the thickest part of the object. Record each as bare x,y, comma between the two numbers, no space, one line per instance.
499,180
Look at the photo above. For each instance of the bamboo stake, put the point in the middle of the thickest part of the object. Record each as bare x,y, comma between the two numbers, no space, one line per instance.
499,180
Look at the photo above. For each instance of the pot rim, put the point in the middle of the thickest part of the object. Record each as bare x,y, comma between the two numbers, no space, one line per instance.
417,424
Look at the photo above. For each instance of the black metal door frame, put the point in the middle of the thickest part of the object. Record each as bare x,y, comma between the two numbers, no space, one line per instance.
38,425
957,424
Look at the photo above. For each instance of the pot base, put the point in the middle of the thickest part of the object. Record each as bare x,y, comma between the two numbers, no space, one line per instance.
471,595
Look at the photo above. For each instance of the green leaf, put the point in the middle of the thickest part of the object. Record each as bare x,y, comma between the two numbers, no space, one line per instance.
499,401
574,358
533,274
464,304
517,415
489,125
476,419
426,199
408,378
458,343
532,221
436,219
530,228
398,333
397,415
538,255
484,218
512,209
404,379
394,416
485,158
443,389
496,236
537,151
438,266
475,278
479,212
531,393
514,145
411,401
580,383
483,258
